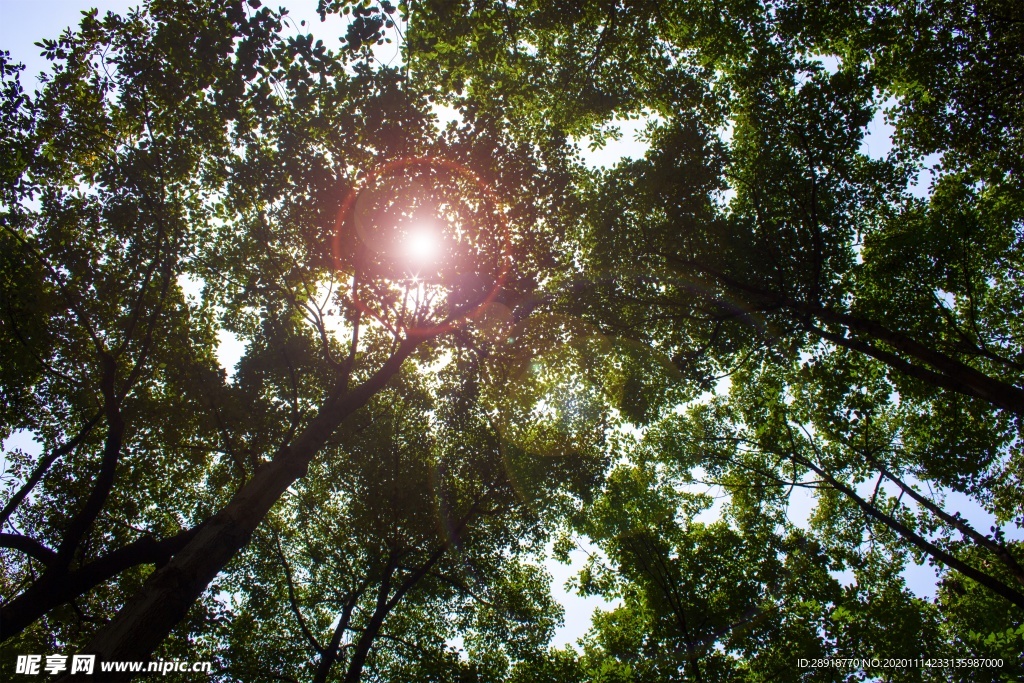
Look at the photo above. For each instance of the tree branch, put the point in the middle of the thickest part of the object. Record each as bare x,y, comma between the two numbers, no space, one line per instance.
44,466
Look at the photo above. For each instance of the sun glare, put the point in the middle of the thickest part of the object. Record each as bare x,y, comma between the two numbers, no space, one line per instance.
421,246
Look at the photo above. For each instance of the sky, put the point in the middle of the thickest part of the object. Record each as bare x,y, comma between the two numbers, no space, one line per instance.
25,22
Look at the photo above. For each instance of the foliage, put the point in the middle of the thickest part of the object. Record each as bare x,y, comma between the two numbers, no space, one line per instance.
664,361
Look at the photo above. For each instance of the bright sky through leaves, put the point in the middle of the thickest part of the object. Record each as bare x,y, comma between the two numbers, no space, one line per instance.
752,368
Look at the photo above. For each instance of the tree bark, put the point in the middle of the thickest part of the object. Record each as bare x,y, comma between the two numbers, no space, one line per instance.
53,589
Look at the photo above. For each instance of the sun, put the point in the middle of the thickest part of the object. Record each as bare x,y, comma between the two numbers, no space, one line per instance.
421,245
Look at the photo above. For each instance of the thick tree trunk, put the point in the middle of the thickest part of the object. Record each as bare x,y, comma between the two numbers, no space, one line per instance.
167,595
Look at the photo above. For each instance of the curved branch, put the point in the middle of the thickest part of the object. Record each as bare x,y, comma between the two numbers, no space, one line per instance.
80,523
29,546
54,588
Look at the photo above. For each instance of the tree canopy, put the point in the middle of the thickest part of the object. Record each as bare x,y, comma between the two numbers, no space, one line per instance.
469,354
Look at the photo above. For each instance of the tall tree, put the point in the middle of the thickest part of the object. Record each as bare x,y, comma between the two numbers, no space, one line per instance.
203,145
757,241
464,325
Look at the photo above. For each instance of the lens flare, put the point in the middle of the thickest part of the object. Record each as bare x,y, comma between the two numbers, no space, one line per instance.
426,253
421,246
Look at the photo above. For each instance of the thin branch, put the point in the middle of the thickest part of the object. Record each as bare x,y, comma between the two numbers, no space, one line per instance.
292,599
993,584
45,465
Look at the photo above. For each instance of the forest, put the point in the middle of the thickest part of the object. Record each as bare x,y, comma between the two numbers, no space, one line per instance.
761,377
